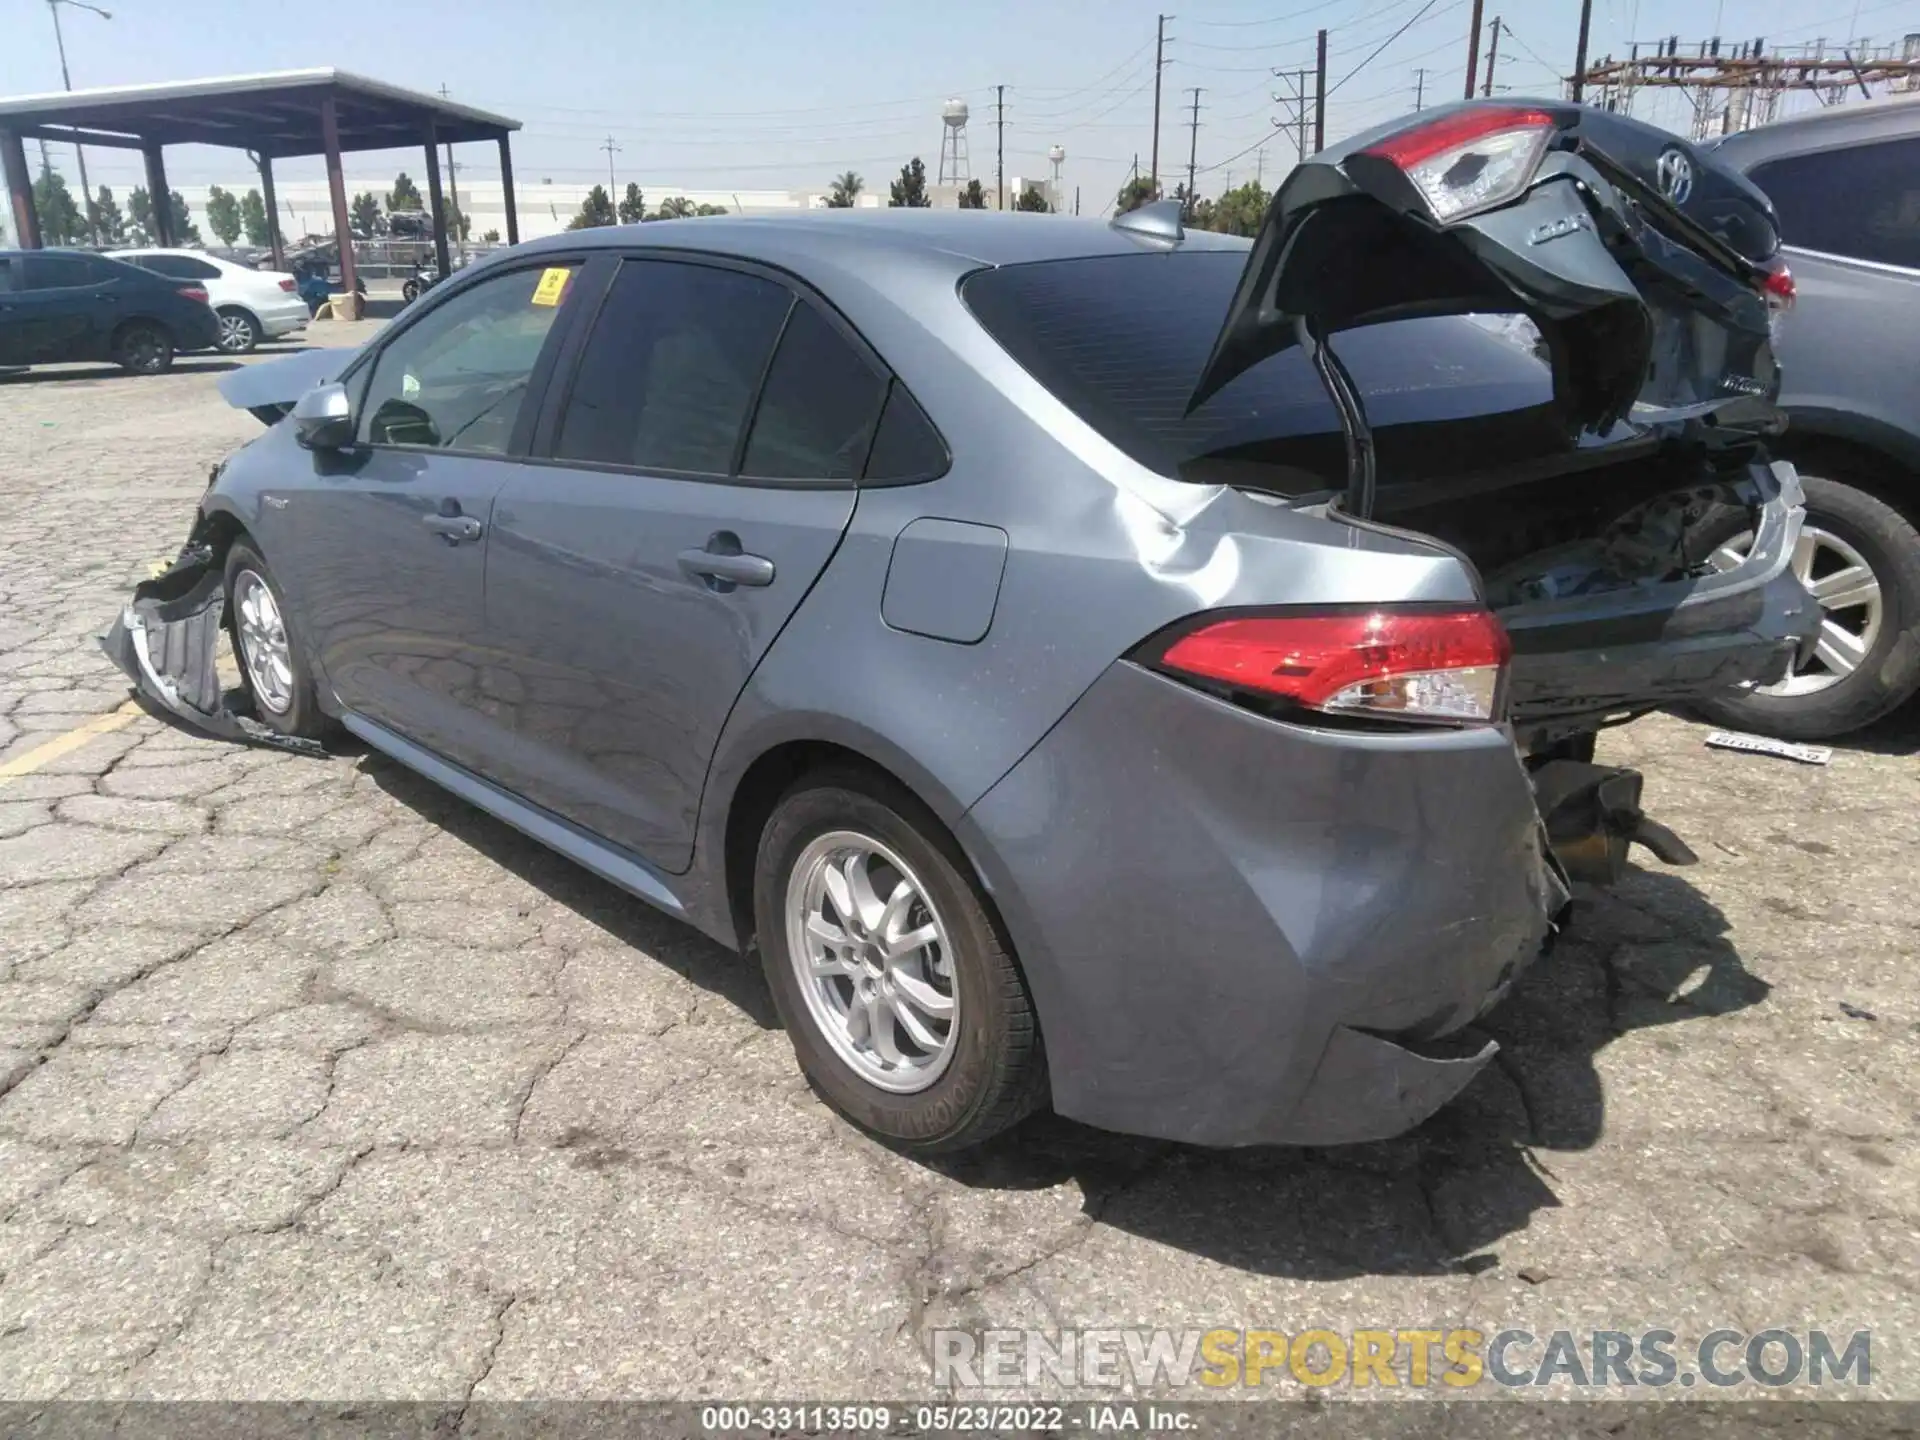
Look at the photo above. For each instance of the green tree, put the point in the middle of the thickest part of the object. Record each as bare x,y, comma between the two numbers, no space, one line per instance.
675,207
1136,192
595,210
405,195
492,237
462,224
139,215
846,189
633,205
1033,200
106,214
910,190
223,215
711,210
185,232
1238,212
973,197
61,222
364,213
253,218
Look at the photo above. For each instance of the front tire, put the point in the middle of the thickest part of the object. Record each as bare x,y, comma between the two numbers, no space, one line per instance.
1861,559
272,663
143,348
903,1001
410,291
240,333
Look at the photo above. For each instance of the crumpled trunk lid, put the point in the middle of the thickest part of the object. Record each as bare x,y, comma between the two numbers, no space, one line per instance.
1641,261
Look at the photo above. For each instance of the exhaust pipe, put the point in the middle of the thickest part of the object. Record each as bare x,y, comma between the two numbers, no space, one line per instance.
1592,814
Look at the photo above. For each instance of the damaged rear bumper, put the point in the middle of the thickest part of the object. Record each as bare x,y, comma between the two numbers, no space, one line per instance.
166,639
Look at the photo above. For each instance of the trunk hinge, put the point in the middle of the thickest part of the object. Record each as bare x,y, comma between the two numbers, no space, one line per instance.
1352,411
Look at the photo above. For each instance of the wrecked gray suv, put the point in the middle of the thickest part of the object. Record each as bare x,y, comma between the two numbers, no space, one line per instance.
1098,665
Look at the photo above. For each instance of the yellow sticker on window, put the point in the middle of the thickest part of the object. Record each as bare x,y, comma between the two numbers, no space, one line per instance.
552,283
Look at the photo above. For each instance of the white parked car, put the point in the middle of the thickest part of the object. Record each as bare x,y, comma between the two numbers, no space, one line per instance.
253,305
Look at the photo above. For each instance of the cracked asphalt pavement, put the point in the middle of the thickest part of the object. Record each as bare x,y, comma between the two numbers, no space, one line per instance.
316,1083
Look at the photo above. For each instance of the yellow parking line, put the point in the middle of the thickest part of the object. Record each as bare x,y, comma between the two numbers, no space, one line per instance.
68,743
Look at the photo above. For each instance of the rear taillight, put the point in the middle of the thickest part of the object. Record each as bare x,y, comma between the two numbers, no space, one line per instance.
288,285
1425,665
1777,285
1472,159
194,292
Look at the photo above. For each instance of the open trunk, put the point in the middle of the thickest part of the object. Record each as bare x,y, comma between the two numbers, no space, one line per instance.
1639,278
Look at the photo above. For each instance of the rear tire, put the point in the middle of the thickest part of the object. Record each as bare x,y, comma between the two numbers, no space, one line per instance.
410,291
240,333
143,348
276,673
1889,673
988,1069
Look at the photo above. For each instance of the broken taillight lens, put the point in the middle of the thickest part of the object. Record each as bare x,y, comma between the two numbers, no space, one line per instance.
1424,665
194,292
1472,159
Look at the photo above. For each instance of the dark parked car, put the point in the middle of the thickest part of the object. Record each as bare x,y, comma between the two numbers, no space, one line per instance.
1016,628
1846,183
62,305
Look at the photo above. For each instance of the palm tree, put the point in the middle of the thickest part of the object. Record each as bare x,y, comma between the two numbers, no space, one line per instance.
677,207
845,188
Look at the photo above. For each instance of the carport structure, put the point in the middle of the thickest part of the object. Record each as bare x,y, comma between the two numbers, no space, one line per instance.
273,117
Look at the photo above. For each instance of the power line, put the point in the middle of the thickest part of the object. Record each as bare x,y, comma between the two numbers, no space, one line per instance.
1270,20
1383,45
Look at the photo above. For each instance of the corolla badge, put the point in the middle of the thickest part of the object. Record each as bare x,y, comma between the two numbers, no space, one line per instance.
1675,173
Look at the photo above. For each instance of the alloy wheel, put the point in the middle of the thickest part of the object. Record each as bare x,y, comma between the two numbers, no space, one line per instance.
264,648
236,333
1851,608
873,961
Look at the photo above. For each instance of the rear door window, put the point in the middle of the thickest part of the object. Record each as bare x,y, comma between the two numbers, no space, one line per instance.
906,446
668,376
1862,203
178,267
457,377
817,411
62,272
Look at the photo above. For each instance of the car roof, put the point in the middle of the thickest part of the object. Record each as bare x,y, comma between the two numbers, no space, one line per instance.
967,237
1836,127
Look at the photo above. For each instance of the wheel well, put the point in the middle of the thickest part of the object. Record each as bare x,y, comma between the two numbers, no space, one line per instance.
120,330
231,309
1855,464
219,530
759,790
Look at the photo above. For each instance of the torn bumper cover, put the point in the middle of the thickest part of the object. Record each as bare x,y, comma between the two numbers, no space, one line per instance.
167,639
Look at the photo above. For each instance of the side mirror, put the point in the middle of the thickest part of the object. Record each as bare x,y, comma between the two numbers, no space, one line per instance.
323,418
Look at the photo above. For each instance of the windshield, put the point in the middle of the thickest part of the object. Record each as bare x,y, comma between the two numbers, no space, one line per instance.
1122,340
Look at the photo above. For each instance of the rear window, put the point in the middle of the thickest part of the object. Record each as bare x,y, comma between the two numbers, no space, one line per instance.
1122,339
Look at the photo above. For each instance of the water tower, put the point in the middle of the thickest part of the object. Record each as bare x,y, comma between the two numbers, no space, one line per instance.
1058,157
953,144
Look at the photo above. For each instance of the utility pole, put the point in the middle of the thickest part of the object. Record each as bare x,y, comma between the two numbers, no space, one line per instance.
79,154
1193,148
1320,96
1580,50
1420,89
611,149
453,191
1493,55
1076,199
1473,48
1159,64
1000,145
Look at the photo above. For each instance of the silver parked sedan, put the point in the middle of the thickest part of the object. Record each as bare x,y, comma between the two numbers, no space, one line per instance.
1097,664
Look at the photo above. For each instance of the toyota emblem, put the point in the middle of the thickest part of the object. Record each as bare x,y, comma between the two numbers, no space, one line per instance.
1675,173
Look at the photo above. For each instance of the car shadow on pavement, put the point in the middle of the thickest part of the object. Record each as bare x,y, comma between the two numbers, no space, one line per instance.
1653,952
1895,734
54,374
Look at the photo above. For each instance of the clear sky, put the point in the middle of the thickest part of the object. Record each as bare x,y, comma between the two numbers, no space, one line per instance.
754,94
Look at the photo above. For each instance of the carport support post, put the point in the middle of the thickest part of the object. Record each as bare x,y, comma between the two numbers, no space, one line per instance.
438,204
506,192
337,188
159,197
274,242
26,220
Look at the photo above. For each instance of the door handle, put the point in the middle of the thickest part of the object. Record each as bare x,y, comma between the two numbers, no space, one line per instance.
723,565
454,528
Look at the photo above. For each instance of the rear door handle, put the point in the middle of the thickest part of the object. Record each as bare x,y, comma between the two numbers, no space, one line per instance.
454,528
723,565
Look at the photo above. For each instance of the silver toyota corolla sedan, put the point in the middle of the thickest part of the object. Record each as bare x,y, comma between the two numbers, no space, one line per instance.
1102,665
